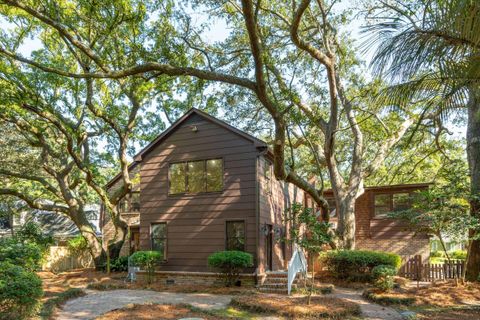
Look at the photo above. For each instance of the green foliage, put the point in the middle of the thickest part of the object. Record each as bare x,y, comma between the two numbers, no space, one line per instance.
442,210
357,265
20,291
383,277
25,254
317,233
49,306
459,254
230,263
31,232
77,245
119,264
437,254
148,261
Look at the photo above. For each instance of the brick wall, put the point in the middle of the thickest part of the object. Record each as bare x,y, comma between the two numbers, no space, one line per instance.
402,247
194,278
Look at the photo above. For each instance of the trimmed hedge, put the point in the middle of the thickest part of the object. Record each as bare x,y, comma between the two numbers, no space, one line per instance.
20,292
357,265
230,263
148,261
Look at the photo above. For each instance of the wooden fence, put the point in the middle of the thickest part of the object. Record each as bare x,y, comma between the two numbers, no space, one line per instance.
61,259
413,268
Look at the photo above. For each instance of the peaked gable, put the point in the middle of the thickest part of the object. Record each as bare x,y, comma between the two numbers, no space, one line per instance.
257,142
183,120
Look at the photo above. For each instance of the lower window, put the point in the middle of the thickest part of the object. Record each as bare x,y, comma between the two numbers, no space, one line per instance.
235,235
159,238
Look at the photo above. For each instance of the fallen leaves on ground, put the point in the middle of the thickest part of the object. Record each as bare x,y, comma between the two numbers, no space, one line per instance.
296,307
154,311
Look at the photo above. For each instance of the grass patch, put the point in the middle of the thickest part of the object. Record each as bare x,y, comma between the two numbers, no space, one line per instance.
296,307
386,298
49,306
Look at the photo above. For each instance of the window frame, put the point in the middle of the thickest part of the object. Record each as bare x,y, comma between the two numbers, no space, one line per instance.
185,162
128,200
244,233
165,250
390,201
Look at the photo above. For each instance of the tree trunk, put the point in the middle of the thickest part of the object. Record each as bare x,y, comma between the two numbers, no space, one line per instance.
121,230
473,152
346,223
93,241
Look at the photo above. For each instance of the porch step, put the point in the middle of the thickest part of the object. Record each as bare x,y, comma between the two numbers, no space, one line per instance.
276,282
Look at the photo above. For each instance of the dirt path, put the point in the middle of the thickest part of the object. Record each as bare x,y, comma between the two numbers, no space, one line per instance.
96,303
370,311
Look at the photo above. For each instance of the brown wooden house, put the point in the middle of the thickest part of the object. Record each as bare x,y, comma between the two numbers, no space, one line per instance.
205,186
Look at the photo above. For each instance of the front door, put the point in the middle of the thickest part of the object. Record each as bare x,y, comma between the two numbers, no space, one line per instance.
134,240
269,248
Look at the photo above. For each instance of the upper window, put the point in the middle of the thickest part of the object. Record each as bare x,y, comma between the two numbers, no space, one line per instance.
130,203
388,202
196,176
235,235
159,238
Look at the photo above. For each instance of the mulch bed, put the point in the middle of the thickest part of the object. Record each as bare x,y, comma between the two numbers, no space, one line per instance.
445,294
154,311
296,307
459,314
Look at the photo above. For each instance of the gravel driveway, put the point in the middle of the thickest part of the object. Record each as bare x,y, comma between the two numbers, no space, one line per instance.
96,303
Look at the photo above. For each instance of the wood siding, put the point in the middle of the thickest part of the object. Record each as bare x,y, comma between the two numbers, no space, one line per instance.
196,224
273,202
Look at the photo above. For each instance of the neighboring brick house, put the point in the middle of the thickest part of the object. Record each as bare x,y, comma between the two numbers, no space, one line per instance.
375,231
205,186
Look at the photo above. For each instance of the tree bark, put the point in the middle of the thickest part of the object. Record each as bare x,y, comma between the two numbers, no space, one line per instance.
473,153
94,242
346,223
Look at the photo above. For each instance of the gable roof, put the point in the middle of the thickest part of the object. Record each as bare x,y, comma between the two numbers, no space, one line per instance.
166,133
139,156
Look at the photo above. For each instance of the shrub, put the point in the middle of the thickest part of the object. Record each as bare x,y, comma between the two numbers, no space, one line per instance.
383,277
356,265
20,291
436,254
119,264
77,245
147,260
24,254
230,263
459,254
32,232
